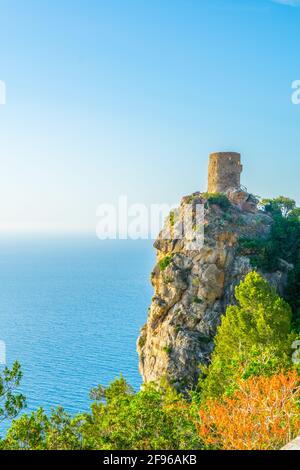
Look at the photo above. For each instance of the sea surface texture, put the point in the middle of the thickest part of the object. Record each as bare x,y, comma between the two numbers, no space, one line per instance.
70,313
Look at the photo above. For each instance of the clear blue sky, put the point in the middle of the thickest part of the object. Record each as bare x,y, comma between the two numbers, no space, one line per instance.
130,96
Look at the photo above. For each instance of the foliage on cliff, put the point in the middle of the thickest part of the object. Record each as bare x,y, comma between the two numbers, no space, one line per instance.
254,337
120,419
283,243
38,431
154,418
249,399
11,402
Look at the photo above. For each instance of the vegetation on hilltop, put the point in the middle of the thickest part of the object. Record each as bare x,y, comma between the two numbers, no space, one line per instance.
282,245
254,338
251,379
218,199
247,398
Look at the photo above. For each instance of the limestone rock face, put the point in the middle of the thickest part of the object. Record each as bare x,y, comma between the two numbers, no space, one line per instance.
192,287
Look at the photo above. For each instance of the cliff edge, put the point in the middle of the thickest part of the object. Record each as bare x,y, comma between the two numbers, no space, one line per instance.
193,287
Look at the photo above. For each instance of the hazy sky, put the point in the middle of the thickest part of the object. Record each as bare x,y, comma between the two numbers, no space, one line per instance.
116,97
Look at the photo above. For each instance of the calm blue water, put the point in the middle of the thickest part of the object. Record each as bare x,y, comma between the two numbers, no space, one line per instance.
70,312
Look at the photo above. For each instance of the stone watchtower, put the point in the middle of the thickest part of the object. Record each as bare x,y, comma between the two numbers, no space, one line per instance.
224,171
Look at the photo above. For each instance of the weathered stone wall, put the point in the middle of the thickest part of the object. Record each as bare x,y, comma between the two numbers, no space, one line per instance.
224,171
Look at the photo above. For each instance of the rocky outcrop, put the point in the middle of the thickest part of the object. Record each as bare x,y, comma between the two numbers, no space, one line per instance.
192,287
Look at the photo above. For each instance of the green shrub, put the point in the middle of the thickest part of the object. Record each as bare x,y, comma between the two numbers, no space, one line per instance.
172,218
218,199
155,418
142,341
11,402
282,243
38,431
253,338
164,262
167,349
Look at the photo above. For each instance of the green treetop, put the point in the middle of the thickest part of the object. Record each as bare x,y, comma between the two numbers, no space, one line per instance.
253,338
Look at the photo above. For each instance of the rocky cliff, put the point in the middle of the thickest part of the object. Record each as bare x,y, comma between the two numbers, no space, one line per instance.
194,286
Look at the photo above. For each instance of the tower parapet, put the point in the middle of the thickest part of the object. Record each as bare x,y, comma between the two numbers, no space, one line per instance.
224,171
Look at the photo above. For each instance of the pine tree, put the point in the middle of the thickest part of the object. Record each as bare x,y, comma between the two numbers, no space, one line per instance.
253,339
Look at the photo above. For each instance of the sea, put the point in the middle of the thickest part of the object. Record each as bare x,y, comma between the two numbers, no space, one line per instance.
71,308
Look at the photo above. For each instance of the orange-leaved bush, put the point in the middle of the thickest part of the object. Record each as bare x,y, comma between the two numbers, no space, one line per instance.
263,413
